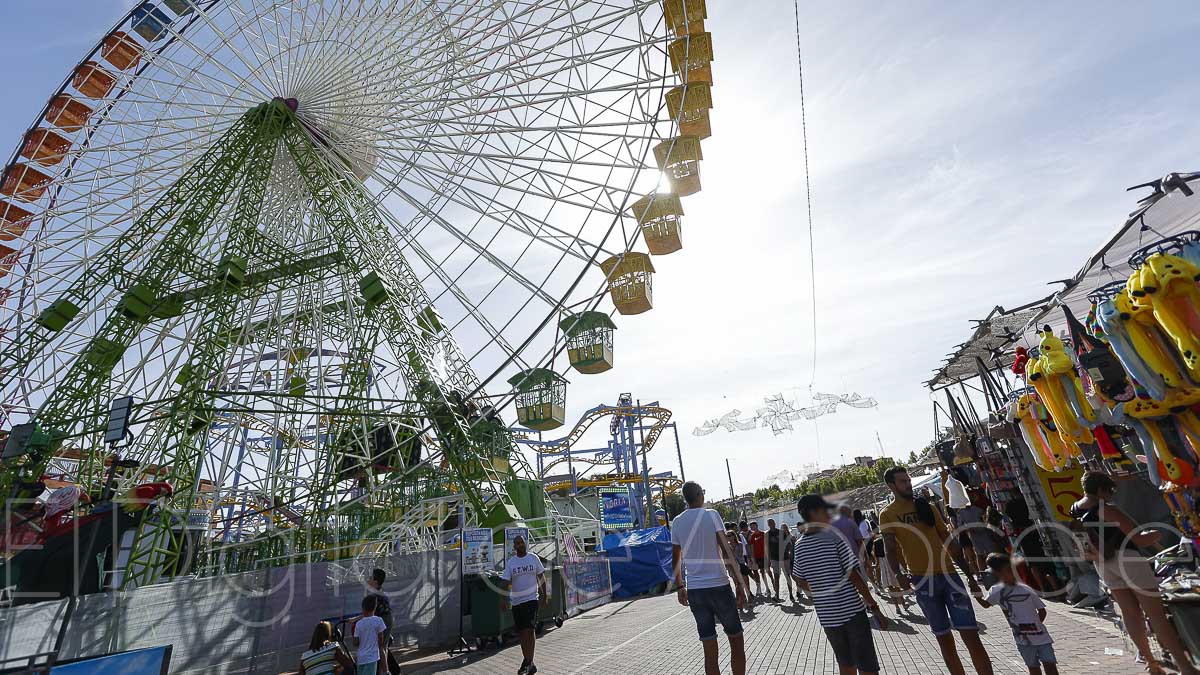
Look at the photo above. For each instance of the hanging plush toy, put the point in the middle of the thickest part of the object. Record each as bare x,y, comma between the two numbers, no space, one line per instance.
1044,443
1169,284
1148,342
1020,360
1144,416
1053,375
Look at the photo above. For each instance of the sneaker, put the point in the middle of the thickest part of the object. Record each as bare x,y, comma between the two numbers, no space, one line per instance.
532,669
524,669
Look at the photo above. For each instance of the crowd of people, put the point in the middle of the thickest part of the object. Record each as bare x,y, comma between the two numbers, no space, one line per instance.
842,563
840,560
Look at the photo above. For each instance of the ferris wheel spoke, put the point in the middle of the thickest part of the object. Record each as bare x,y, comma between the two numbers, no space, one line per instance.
492,208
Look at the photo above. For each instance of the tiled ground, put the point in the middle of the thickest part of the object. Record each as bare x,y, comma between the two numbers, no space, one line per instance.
657,636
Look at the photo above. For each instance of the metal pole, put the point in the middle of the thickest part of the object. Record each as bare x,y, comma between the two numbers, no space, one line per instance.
678,452
730,475
645,466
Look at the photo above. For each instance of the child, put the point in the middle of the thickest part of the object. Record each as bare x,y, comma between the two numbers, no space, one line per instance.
1026,614
369,633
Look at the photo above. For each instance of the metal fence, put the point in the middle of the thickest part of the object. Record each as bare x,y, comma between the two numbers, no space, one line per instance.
254,622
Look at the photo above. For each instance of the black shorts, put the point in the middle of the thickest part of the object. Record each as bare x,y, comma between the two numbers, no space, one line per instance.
744,568
853,645
524,614
761,562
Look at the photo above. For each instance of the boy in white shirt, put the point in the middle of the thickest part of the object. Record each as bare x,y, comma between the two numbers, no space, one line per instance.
1026,614
369,633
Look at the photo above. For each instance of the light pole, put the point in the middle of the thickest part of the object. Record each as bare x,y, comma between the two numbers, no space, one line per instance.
730,475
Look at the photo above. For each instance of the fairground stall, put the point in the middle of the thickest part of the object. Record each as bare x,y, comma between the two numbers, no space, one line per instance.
1103,374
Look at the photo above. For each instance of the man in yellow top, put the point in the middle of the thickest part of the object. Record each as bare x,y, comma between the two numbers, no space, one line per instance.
918,529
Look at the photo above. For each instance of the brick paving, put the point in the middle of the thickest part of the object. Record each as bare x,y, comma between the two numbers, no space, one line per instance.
656,636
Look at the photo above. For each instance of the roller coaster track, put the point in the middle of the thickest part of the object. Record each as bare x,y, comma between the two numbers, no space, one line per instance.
669,484
660,416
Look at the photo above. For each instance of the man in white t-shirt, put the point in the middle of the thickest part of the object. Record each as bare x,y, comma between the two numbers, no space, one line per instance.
526,579
701,555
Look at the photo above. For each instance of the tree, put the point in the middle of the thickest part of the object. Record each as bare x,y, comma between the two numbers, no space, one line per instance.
727,512
674,505
912,457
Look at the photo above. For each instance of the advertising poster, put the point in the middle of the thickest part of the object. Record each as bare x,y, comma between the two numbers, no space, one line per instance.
476,549
616,511
510,535
588,582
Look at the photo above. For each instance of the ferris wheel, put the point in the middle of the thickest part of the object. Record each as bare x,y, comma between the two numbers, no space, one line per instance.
331,246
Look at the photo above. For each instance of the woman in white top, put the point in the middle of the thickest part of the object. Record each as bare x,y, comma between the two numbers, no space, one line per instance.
325,656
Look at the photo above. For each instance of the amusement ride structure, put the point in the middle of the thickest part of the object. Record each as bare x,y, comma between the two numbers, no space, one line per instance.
635,428
316,241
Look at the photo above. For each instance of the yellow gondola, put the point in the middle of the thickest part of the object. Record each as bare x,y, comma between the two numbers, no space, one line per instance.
660,215
680,158
629,282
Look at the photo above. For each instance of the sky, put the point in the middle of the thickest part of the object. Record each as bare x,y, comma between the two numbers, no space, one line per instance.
962,156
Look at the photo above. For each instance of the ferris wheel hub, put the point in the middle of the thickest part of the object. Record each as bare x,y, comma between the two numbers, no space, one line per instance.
291,102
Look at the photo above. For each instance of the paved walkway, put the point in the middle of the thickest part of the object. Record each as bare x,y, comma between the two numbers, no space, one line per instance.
656,636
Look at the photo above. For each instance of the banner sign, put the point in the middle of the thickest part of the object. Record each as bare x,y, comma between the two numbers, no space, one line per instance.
616,511
1062,489
588,580
510,535
476,549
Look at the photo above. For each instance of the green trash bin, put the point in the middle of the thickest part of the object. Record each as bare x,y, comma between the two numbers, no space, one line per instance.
489,623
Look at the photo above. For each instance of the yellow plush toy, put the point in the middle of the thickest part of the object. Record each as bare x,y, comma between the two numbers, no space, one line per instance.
1053,375
1169,283
1144,412
1147,337
1044,443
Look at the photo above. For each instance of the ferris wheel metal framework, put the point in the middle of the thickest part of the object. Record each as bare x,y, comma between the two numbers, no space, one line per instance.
380,182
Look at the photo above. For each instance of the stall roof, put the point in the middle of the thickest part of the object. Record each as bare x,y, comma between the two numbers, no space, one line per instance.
988,342
1165,212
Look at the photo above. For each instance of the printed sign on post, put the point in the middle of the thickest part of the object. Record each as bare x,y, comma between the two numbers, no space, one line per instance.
616,512
476,549
510,536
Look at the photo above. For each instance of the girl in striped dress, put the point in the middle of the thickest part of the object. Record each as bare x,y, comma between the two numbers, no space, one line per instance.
324,656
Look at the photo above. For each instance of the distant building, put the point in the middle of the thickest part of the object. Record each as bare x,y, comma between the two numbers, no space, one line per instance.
865,461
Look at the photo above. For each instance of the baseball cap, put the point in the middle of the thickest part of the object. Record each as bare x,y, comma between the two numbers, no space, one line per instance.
809,503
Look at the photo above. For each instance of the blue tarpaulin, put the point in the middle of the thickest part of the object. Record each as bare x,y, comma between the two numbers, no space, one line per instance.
639,559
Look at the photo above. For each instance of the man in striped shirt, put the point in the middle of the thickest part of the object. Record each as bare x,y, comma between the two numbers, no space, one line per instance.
825,566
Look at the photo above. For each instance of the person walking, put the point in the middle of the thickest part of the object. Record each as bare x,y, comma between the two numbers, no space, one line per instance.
324,656
758,550
911,525
789,555
737,544
774,555
748,554
1115,549
384,611
526,579
368,631
701,554
825,566
864,525
1026,614
845,526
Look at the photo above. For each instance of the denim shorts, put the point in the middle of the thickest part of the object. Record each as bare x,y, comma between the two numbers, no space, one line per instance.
945,603
1035,655
710,605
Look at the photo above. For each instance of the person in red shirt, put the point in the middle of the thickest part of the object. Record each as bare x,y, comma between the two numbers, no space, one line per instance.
758,547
